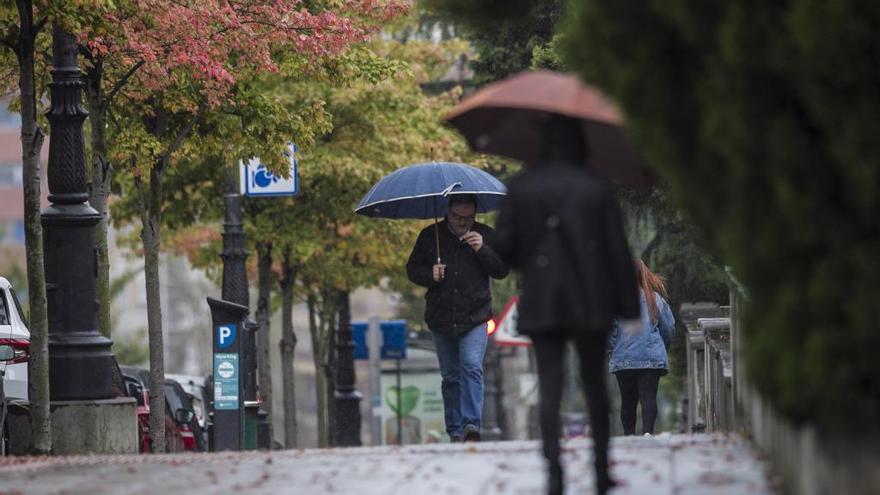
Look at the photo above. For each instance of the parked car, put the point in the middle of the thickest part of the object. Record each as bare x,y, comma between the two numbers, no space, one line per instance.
135,388
14,333
181,426
7,353
179,407
197,391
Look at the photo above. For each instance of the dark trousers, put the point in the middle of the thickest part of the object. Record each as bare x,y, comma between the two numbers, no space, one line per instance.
549,353
638,387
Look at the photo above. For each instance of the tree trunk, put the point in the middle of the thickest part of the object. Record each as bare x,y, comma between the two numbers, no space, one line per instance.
31,143
100,190
264,314
288,347
317,358
150,237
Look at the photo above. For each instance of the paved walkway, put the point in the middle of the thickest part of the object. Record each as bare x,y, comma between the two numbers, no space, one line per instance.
665,464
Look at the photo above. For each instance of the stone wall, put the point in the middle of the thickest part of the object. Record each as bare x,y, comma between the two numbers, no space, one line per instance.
721,398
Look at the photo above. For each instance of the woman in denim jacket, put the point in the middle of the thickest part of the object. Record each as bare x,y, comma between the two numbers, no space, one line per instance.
638,352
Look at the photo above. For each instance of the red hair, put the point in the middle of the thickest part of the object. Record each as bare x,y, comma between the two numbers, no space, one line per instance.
650,283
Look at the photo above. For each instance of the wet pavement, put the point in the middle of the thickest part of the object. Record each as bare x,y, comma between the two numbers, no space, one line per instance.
664,464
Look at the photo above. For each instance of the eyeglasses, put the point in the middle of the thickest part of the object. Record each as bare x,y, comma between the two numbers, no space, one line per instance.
460,218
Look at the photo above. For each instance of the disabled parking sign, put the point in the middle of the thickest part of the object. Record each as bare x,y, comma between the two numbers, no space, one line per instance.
257,180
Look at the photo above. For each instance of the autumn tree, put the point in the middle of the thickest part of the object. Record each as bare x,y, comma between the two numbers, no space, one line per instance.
378,127
176,76
314,244
23,33
20,30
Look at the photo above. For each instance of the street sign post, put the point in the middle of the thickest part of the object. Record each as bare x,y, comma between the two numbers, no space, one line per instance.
392,338
505,328
256,180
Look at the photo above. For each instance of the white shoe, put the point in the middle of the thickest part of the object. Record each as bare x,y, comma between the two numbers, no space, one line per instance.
647,435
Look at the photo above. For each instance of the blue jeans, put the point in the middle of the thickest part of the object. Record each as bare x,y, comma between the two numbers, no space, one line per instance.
461,368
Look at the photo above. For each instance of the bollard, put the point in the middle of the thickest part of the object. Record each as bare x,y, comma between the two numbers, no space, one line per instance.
228,318
249,383
264,441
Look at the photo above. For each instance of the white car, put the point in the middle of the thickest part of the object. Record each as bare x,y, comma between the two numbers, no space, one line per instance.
14,333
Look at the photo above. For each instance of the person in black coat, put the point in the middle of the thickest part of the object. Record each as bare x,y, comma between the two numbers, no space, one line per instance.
458,305
561,227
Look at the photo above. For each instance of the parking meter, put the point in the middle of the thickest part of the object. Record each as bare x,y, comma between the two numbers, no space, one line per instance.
228,327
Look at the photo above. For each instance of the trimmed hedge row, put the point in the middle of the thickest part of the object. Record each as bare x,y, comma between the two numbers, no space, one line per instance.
762,118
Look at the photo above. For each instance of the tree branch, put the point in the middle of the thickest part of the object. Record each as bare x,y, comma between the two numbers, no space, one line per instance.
39,26
85,52
123,81
8,43
181,137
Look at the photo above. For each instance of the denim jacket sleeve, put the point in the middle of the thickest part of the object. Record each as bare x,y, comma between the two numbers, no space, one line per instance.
665,322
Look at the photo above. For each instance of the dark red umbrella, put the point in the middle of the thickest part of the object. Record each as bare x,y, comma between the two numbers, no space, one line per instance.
505,118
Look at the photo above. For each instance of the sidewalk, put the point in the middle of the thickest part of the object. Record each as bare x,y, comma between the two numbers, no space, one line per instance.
666,464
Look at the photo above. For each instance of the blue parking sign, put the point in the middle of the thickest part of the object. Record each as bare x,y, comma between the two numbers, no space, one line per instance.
226,335
359,335
393,339
257,180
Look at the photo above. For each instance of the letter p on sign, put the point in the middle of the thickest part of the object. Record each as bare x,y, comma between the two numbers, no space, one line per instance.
225,336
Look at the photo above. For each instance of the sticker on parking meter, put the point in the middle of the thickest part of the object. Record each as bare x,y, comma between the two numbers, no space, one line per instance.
225,381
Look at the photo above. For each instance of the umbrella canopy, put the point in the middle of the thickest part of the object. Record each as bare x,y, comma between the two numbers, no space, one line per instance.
422,191
505,118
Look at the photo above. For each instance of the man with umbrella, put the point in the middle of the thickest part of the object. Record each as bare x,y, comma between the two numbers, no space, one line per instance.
454,260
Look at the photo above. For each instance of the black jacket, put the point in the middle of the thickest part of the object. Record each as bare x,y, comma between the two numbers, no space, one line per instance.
462,299
561,227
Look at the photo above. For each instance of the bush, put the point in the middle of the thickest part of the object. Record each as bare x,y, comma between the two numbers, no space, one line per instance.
762,116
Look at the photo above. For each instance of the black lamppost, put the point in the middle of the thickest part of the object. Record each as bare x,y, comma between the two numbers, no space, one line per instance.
234,254
80,358
348,399
235,289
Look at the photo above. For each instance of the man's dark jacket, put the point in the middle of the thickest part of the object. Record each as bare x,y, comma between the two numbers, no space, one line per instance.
462,299
561,227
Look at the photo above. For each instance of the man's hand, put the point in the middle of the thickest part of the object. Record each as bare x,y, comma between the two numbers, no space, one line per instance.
474,240
439,272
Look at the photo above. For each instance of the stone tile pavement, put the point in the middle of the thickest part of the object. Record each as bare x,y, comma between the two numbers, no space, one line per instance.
665,464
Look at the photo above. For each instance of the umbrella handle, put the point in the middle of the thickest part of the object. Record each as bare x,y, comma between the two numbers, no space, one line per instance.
437,238
436,231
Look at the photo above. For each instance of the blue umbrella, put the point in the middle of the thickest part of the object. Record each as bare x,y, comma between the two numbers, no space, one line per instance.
423,190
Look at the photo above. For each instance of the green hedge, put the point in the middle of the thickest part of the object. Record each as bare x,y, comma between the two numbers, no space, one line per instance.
762,116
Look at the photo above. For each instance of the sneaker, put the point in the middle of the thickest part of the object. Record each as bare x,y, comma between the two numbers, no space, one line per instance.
471,434
647,435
